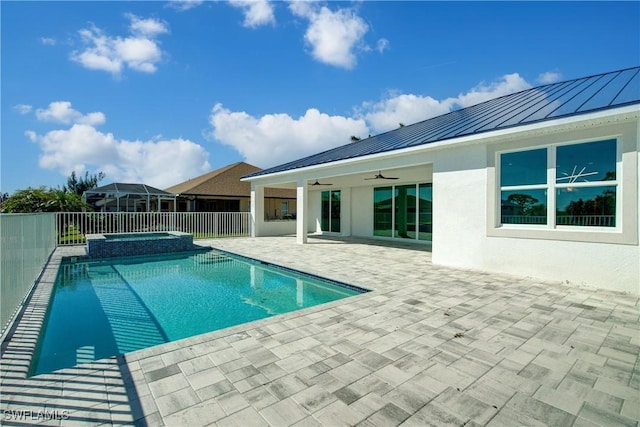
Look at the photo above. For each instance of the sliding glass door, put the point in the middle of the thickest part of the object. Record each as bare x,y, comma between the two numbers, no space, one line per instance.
403,211
330,216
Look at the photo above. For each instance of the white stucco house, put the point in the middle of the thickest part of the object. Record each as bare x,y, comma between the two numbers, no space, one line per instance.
541,183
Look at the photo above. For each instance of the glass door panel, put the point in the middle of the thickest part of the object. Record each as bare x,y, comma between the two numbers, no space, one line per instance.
425,212
330,211
405,211
335,212
326,209
382,211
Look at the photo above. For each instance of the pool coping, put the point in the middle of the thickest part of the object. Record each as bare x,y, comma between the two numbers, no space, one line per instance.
23,334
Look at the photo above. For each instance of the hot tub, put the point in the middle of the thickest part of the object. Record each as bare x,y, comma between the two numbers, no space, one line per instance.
135,244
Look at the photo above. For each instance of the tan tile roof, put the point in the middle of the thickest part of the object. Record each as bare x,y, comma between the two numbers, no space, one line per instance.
226,182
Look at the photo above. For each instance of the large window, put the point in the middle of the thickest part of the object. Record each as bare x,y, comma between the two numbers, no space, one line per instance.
561,185
403,211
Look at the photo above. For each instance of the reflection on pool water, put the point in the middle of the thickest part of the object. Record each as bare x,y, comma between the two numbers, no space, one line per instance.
107,307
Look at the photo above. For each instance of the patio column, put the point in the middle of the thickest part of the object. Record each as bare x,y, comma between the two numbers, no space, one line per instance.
301,214
257,209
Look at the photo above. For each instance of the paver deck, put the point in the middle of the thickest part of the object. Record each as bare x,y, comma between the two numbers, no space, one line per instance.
428,346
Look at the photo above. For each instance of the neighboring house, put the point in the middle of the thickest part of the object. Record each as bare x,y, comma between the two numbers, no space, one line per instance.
222,190
541,183
126,197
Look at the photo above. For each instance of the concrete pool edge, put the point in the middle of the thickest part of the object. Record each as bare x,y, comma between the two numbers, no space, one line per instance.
21,339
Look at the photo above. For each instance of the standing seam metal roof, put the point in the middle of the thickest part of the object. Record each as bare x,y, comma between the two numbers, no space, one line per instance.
548,102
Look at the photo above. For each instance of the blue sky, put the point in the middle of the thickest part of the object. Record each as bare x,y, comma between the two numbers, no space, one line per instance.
160,92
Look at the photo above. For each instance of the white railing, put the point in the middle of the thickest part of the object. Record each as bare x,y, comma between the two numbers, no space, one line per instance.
26,242
587,220
578,220
72,227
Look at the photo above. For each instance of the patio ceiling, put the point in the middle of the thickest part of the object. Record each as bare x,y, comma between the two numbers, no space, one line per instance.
409,174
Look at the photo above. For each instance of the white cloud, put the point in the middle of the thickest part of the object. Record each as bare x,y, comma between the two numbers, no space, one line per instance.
48,41
256,12
140,51
23,108
333,36
382,45
549,77
409,108
146,27
277,138
405,108
158,163
61,112
509,83
182,5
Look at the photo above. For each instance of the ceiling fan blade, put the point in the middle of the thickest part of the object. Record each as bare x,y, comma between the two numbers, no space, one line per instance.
318,183
380,176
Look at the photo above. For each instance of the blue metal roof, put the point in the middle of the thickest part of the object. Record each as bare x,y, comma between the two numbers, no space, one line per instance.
539,104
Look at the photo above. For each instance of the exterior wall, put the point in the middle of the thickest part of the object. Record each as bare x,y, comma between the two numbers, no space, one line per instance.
464,192
277,228
315,211
459,206
607,266
361,212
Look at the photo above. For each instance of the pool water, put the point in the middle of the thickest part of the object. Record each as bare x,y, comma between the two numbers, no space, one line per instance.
108,307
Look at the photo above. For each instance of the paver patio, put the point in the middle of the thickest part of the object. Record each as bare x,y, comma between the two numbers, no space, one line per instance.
428,346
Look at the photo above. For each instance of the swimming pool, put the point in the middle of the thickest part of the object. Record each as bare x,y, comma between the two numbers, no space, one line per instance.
101,308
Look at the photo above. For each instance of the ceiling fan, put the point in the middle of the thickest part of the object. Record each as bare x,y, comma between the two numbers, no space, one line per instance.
380,176
318,183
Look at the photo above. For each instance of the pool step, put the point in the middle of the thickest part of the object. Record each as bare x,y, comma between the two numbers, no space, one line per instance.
211,258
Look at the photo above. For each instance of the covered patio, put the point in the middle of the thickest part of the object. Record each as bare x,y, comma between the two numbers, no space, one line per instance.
429,345
377,199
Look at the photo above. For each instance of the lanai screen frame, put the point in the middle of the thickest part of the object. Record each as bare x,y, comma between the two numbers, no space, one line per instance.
117,191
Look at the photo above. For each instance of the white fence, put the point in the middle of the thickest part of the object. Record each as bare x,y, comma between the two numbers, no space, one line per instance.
72,227
26,242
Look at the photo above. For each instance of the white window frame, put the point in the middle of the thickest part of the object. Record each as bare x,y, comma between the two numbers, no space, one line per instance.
626,230
552,185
